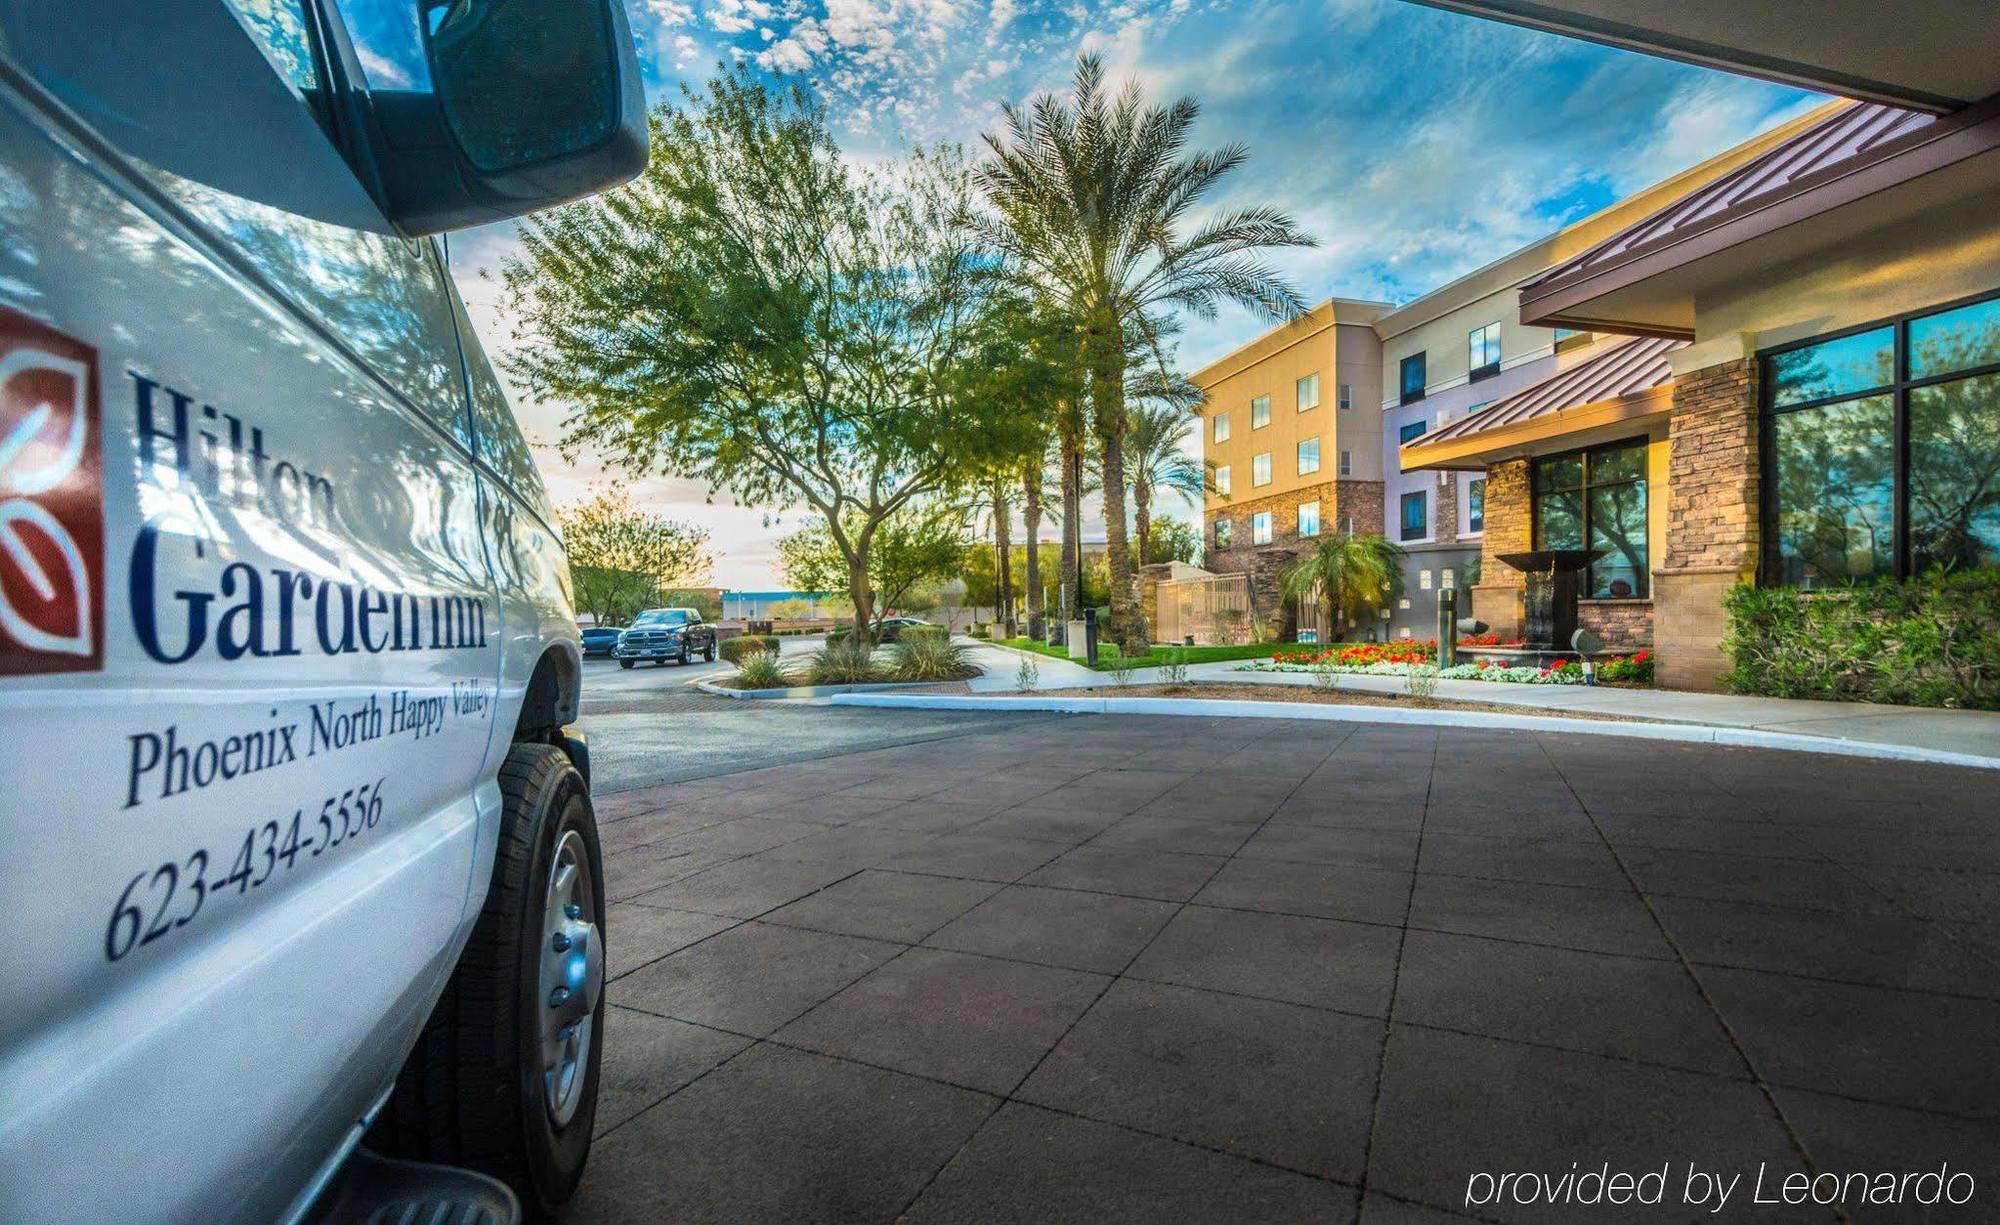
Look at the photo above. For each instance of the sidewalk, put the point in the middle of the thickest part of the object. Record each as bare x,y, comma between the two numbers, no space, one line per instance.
1956,731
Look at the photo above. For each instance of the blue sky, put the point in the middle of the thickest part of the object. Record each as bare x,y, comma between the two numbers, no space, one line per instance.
1416,145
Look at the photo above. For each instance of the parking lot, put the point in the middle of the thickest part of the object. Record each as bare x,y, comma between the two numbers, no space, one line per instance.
1053,968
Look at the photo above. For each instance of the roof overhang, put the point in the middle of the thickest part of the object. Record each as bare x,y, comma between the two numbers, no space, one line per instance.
1930,55
1649,289
1604,421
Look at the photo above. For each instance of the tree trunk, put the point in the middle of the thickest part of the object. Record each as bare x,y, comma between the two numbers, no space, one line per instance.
864,599
1031,515
1107,386
1142,518
1003,577
1071,447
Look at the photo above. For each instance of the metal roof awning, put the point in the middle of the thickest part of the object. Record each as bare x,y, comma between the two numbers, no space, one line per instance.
1627,380
1866,165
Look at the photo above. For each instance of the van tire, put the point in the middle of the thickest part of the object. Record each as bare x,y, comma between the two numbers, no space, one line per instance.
625,663
472,1092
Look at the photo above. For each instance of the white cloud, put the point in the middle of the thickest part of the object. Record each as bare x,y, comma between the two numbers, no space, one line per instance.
737,16
669,12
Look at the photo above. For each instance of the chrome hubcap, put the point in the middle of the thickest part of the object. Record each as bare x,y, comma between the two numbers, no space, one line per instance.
571,977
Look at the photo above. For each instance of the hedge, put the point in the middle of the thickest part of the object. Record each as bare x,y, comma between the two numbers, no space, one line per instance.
736,649
1931,641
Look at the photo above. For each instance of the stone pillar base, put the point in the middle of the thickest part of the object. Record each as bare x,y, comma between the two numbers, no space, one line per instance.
1688,625
1499,606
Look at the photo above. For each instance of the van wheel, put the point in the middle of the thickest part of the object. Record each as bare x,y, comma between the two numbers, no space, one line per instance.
709,653
504,1078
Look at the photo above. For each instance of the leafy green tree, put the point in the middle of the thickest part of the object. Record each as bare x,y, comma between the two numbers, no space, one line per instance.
1092,194
621,557
757,313
913,548
1352,576
703,600
1173,540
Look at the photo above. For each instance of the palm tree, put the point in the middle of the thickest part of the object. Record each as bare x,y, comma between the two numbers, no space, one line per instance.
1351,575
1091,193
1154,459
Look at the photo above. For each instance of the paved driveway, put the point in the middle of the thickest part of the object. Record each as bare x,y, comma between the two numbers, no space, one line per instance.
1099,968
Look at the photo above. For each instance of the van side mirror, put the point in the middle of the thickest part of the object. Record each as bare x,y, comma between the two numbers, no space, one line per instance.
531,103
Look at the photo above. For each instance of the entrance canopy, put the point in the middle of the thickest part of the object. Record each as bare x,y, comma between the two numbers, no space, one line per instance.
1927,55
1596,399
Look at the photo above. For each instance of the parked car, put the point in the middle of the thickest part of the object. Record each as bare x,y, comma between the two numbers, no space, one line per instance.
661,634
600,640
886,631
892,627
286,644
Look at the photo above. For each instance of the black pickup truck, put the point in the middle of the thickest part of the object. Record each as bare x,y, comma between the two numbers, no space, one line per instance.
661,634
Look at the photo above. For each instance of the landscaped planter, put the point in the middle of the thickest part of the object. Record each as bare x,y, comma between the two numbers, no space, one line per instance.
816,691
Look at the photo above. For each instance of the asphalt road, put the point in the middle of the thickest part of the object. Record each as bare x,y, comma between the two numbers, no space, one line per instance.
648,725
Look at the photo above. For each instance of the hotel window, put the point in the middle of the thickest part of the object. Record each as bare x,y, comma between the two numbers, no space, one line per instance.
1839,414
1309,457
1415,429
1483,352
1260,470
1347,463
1222,427
1260,527
1567,339
1596,499
1416,516
1475,506
1309,392
1222,480
1260,412
1309,518
1414,378
1346,396
1222,533
1347,526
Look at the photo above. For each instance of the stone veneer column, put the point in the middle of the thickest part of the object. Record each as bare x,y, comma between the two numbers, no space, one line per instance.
1712,510
1509,529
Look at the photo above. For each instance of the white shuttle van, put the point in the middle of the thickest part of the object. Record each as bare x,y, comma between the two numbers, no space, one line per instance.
306,879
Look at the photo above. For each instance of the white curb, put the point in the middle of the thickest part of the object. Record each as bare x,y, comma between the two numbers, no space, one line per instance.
812,691
1694,733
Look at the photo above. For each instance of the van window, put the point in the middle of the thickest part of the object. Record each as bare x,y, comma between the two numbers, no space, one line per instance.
499,443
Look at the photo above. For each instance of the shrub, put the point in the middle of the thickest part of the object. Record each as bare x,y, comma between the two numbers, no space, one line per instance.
741,647
842,663
930,655
1116,662
1174,670
1324,676
760,670
1421,681
1931,641
1027,676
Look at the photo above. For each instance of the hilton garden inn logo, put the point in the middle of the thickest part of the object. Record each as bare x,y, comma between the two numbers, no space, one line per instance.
51,502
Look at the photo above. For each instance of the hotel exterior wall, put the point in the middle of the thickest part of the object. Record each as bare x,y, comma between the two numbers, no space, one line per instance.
1337,499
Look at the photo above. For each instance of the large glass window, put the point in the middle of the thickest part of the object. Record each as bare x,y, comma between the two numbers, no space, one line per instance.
1883,450
1308,457
1416,516
1412,430
1260,469
1308,391
1414,378
1260,527
1222,480
1222,533
1595,499
1475,506
1483,352
1222,427
1260,412
1309,518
